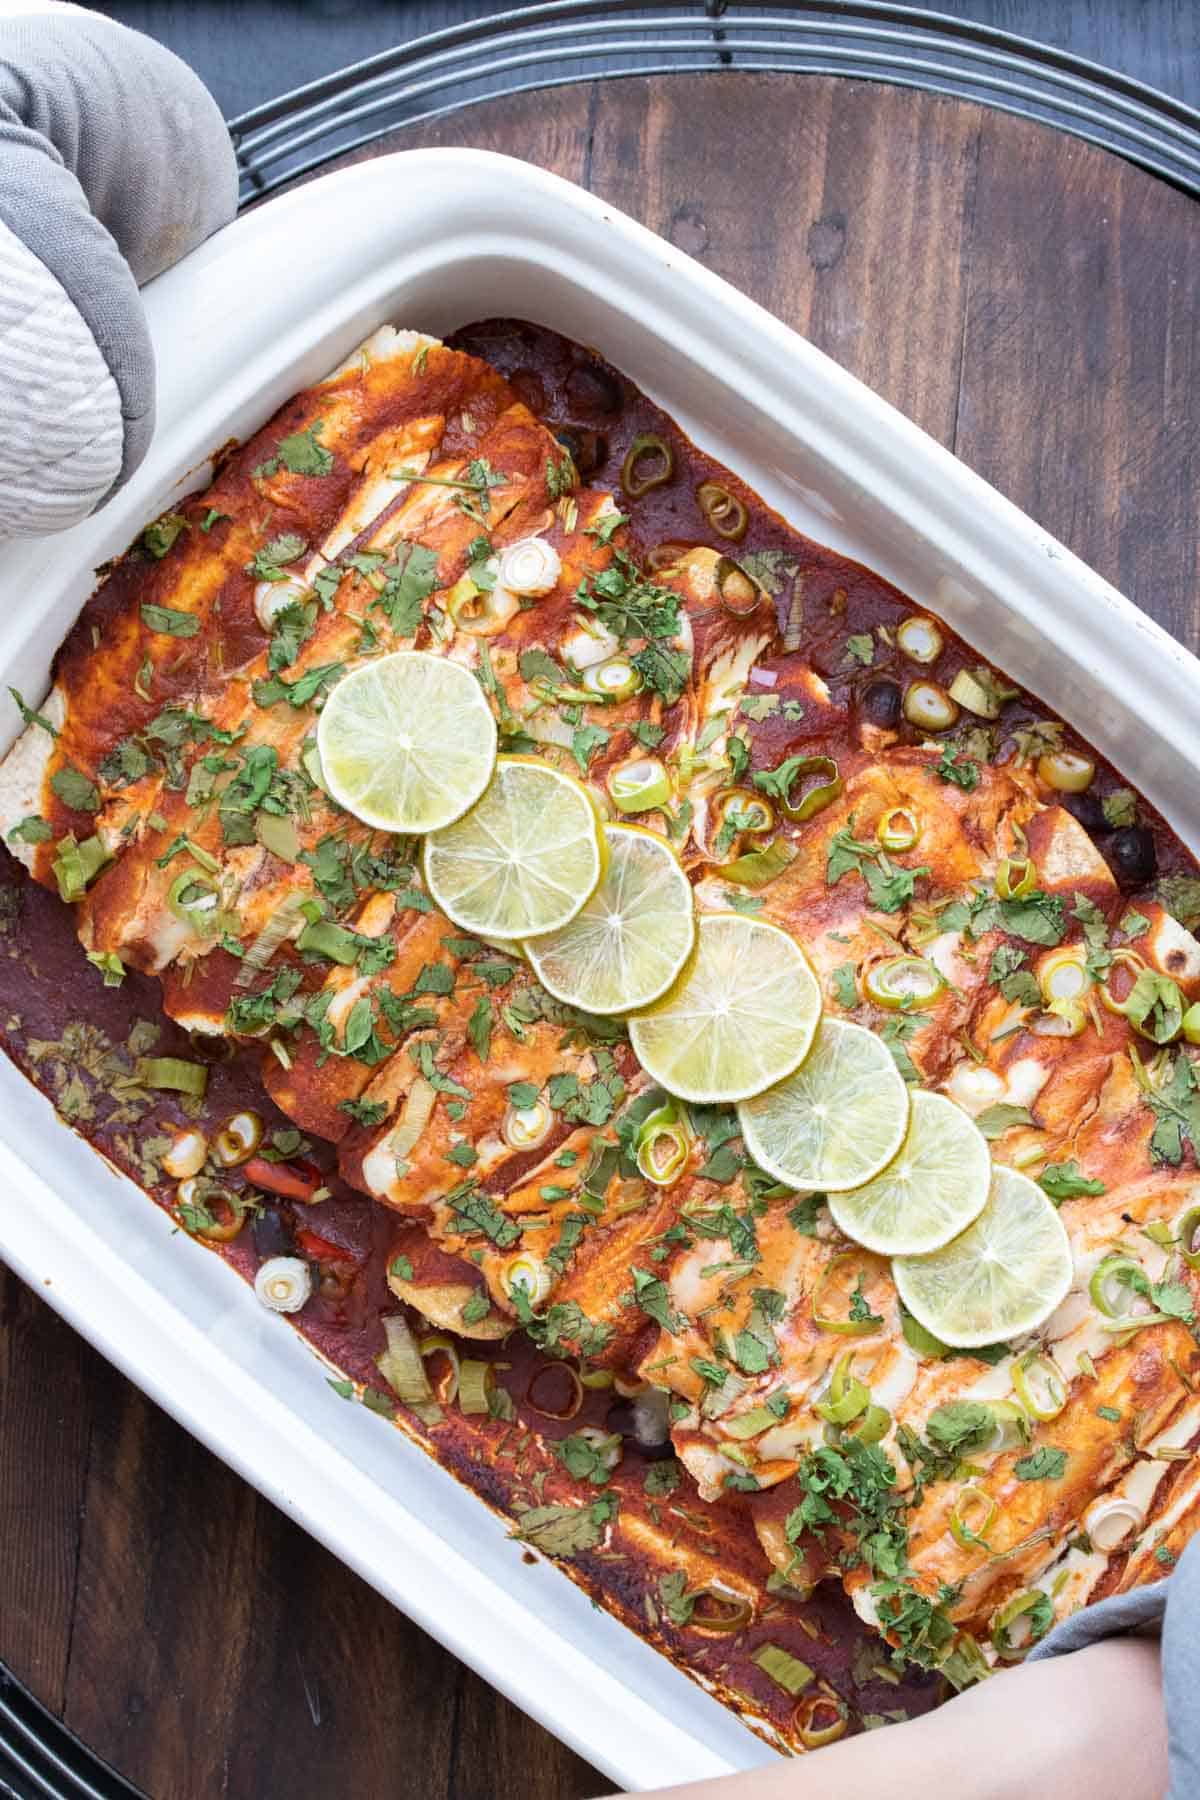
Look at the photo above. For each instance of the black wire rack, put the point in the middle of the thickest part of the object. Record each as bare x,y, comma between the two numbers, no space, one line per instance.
585,40
41,1760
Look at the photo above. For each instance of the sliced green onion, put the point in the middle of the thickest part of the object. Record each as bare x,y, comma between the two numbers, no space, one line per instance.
1130,963
109,965
898,829
1113,1279
527,1273
1187,1236
525,1127
806,1721
742,809
403,1369
1016,877
903,983
813,783
969,691
1064,975
310,762
749,1424
1154,1007
1020,1623
848,1396
1066,772
171,1074
1011,1427
276,930
415,1115
1110,1520
724,511
784,1669
718,1612
441,1345
1062,1018
920,639
186,1155
920,1340
195,1199
662,1145
929,706
77,864
758,867
283,1283
614,679
195,900
476,1384
872,1426
639,786
1040,1386
972,1513
649,463
238,1139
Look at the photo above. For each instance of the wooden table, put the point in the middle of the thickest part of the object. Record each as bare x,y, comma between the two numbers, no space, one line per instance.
1034,304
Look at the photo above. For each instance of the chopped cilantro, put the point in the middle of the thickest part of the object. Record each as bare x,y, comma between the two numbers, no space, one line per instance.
1176,1105
585,742
75,790
995,1120
409,579
1043,1464
958,772
368,1113
271,561
169,621
300,454
1063,1181
159,537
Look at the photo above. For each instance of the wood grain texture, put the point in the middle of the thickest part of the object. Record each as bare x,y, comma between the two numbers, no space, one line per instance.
1031,302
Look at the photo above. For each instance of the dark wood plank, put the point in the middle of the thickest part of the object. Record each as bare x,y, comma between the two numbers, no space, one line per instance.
1081,359
792,191
1027,299
48,1387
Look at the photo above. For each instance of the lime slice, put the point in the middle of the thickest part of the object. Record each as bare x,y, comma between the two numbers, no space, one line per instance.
524,859
1004,1275
935,1185
838,1120
633,936
408,742
741,1017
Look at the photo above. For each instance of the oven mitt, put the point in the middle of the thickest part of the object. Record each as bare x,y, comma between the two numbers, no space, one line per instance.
1170,1607
114,163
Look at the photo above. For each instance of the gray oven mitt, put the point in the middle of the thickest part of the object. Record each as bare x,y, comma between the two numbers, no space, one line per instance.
114,163
1172,1608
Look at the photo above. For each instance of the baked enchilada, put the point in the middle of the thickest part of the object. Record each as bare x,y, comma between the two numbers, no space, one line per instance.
680,1033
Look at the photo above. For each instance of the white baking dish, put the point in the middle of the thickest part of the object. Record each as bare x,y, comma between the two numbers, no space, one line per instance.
436,238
